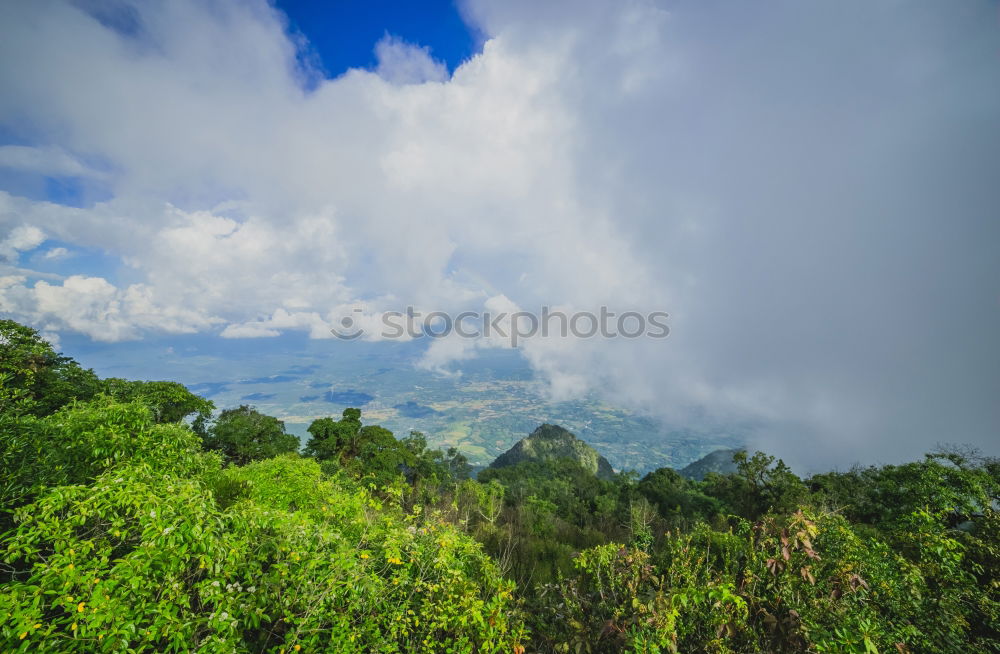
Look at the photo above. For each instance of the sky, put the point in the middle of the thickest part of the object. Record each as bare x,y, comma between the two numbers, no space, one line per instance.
341,35
807,188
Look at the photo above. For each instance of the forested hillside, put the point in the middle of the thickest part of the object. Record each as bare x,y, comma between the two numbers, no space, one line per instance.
549,443
137,517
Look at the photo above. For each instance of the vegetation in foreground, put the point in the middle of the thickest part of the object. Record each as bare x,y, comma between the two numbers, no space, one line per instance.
135,519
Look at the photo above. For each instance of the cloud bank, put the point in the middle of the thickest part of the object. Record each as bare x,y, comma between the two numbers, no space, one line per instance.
809,190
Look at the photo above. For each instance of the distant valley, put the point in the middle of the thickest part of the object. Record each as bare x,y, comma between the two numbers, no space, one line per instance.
488,405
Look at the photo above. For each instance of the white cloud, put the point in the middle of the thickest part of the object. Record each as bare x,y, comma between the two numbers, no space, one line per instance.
95,307
55,254
492,323
821,228
281,320
400,62
52,338
50,161
20,239
248,331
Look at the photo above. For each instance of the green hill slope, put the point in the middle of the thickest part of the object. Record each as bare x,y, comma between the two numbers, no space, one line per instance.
720,461
550,442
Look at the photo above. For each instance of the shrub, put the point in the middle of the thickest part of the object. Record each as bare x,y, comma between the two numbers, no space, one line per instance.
147,560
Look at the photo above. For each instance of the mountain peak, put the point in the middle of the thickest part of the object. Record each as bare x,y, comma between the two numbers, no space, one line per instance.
720,461
549,442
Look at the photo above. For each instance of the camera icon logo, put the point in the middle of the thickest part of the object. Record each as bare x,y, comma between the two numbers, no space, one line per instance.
348,330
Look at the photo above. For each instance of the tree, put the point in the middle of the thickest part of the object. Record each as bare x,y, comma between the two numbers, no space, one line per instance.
169,401
79,442
144,558
960,483
364,451
36,379
334,439
244,434
379,456
678,500
761,484
433,467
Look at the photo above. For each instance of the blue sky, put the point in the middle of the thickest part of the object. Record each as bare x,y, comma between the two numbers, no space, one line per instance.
343,32
804,187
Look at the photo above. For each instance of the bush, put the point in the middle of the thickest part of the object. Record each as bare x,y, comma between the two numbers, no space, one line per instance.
147,559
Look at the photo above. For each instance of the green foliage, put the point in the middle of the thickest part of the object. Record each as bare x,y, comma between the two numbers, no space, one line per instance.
434,466
770,577
563,482
982,559
373,452
334,439
553,508
169,401
150,562
377,455
759,485
805,582
77,443
617,601
244,434
35,379
678,499
963,483
121,534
